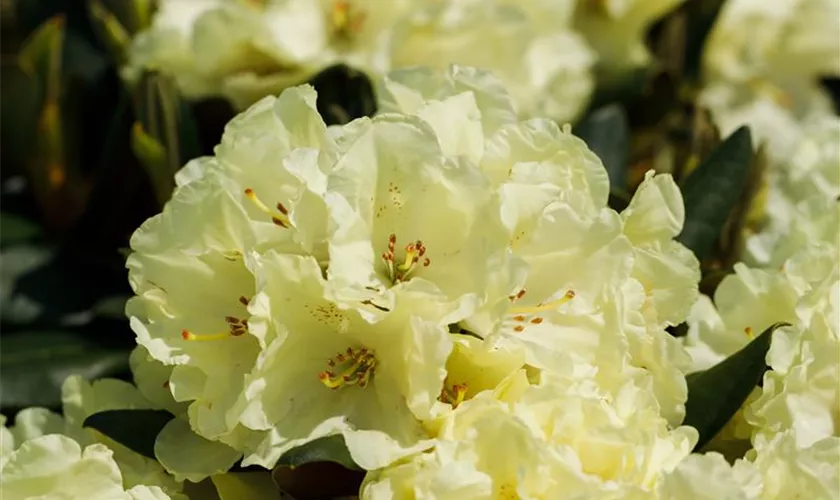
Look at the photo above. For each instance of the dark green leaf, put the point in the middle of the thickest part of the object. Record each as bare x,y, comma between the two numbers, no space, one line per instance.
34,365
20,103
701,16
325,449
344,94
40,285
110,30
246,486
715,394
607,133
712,190
112,307
134,429
15,230
188,133
318,480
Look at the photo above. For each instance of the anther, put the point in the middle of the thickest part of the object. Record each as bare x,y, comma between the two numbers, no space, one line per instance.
455,396
279,219
413,253
544,307
243,300
358,367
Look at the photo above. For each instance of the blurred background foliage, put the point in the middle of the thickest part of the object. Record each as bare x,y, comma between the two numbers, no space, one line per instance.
85,160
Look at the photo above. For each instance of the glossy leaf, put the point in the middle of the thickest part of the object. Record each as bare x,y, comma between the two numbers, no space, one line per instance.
152,156
246,486
40,285
344,94
701,16
110,30
134,429
15,229
318,480
606,132
20,101
34,364
325,449
715,394
712,190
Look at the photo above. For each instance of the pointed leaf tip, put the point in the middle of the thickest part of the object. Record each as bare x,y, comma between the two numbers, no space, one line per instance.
716,394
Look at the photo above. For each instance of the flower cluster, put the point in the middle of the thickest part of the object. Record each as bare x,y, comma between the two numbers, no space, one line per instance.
429,284
544,52
767,76
791,421
47,455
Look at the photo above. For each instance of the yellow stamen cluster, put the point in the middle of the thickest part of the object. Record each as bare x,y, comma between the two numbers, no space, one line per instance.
413,253
280,217
352,367
453,395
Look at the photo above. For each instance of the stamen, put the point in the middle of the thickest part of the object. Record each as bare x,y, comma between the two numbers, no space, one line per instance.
413,253
454,396
371,303
188,335
281,219
749,332
544,307
359,367
518,295
243,300
236,328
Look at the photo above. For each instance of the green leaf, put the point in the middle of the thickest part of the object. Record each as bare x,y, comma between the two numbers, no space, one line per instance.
712,191
300,471
307,482
245,486
112,307
163,124
134,429
110,30
701,16
34,284
20,104
715,394
152,156
325,449
606,132
344,94
15,229
34,364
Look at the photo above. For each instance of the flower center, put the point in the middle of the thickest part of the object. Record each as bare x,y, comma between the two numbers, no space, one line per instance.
236,327
453,394
524,315
352,367
346,20
279,217
402,271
